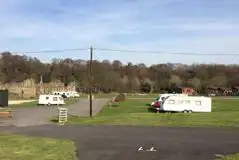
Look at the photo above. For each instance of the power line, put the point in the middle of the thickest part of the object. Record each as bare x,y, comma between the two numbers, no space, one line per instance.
127,51
162,53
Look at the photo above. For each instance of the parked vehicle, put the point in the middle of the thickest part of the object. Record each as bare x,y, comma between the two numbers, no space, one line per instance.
74,94
67,94
186,104
50,100
161,97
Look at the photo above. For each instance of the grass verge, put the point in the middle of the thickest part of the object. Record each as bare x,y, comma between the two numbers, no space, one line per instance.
27,148
135,112
229,157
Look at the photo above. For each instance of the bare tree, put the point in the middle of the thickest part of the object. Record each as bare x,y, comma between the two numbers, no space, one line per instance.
195,83
175,81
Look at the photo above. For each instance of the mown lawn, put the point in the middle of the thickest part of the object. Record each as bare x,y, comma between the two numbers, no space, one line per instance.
135,112
68,102
14,147
129,95
229,157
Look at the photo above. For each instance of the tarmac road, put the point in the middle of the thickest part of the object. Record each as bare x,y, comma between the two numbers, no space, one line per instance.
122,143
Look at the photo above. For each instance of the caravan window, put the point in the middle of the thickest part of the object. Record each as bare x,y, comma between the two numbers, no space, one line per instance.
54,98
198,103
179,101
187,102
171,101
47,98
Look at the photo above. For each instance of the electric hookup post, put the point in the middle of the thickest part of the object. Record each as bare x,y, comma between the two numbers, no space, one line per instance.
62,115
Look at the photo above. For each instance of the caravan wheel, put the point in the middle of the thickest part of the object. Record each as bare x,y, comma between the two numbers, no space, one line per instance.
185,111
49,104
190,111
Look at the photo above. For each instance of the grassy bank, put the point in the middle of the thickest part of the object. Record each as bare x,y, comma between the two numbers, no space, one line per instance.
229,157
135,112
26,148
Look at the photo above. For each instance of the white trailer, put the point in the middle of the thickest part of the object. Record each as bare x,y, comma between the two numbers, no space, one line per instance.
50,100
187,104
74,94
68,94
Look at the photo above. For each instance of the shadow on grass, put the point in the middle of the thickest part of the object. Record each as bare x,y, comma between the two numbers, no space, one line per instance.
151,109
54,120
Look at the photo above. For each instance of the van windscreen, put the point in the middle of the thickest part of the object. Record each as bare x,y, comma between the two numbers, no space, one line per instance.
164,99
158,98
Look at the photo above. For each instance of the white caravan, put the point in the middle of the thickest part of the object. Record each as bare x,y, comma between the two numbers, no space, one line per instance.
187,104
74,94
161,97
50,100
57,93
67,94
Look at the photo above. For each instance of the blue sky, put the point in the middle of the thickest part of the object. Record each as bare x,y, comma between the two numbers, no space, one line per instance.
194,26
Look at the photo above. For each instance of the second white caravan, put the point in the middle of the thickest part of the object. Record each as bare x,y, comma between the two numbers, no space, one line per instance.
50,100
187,104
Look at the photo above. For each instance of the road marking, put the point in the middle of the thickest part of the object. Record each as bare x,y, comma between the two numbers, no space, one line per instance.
147,150
140,149
151,149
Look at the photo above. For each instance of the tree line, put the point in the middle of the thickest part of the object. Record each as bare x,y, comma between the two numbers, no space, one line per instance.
114,76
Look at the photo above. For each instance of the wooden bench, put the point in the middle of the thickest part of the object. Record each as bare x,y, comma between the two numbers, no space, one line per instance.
6,113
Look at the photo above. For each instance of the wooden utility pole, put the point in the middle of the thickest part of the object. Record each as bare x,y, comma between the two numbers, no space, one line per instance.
90,80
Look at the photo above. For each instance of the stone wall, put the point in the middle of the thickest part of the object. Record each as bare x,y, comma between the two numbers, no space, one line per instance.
57,85
29,88
26,87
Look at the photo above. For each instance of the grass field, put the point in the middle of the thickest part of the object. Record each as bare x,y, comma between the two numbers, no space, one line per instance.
135,112
229,157
27,148
98,95
34,103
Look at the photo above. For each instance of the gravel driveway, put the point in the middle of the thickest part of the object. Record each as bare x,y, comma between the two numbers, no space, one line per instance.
41,115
